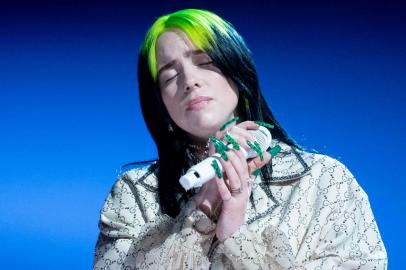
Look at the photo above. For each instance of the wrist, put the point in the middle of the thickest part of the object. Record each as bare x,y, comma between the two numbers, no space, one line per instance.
224,231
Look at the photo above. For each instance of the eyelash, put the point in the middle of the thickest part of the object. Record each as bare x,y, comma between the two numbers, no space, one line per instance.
206,63
202,64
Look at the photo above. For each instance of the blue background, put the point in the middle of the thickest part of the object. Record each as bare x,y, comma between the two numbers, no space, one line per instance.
333,72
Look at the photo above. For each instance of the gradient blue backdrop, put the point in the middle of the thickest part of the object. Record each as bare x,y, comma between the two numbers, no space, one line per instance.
333,72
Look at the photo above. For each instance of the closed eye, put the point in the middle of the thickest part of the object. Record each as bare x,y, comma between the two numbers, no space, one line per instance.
201,64
206,63
171,78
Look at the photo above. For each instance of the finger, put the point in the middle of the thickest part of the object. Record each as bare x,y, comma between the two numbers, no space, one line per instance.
246,177
242,138
256,162
241,127
220,134
239,161
226,127
233,138
243,161
229,169
244,174
242,133
223,190
212,150
248,125
240,166
230,122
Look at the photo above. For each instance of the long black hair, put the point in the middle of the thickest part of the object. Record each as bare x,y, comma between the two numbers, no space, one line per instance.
228,51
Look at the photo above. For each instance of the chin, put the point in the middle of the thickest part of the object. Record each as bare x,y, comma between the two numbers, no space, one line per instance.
205,124
203,133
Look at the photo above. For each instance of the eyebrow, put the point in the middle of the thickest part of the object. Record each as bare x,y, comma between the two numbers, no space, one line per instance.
173,62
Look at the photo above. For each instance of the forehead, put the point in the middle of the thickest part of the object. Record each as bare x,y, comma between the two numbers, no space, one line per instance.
171,44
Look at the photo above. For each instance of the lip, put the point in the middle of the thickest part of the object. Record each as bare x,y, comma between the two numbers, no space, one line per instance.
198,103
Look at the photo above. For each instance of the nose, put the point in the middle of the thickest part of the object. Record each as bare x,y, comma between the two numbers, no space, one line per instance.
192,81
192,86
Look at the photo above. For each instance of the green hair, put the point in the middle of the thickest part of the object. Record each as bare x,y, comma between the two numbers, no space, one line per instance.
198,25
229,53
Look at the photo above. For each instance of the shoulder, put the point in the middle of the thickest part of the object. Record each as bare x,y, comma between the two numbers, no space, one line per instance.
292,161
133,198
323,174
331,179
134,183
322,164
140,174
325,166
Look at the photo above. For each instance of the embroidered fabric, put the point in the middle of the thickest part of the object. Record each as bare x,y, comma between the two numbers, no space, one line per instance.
314,215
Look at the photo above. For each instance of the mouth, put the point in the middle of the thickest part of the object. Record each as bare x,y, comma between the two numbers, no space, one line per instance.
198,103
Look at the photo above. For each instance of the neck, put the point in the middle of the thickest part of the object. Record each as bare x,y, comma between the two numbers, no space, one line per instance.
198,150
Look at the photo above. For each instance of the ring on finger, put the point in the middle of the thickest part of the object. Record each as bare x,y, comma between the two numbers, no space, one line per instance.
235,190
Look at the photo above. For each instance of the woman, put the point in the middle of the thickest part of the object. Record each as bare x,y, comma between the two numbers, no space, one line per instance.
284,209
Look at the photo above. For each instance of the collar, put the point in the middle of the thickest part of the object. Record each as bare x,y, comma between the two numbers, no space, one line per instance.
289,164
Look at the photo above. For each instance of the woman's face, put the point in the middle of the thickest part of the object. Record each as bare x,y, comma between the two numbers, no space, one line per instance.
198,97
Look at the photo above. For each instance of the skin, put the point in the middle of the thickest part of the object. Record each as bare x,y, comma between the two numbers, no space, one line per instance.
191,76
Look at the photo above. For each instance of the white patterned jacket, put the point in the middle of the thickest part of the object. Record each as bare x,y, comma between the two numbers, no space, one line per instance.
314,215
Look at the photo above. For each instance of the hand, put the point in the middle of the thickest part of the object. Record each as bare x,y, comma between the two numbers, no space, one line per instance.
228,197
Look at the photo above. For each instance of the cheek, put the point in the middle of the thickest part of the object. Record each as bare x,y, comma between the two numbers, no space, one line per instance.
167,101
168,92
230,93
168,95
171,106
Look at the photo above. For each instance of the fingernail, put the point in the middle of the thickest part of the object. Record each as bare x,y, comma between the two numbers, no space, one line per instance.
264,124
256,172
220,147
257,148
224,156
216,168
274,150
235,119
232,141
